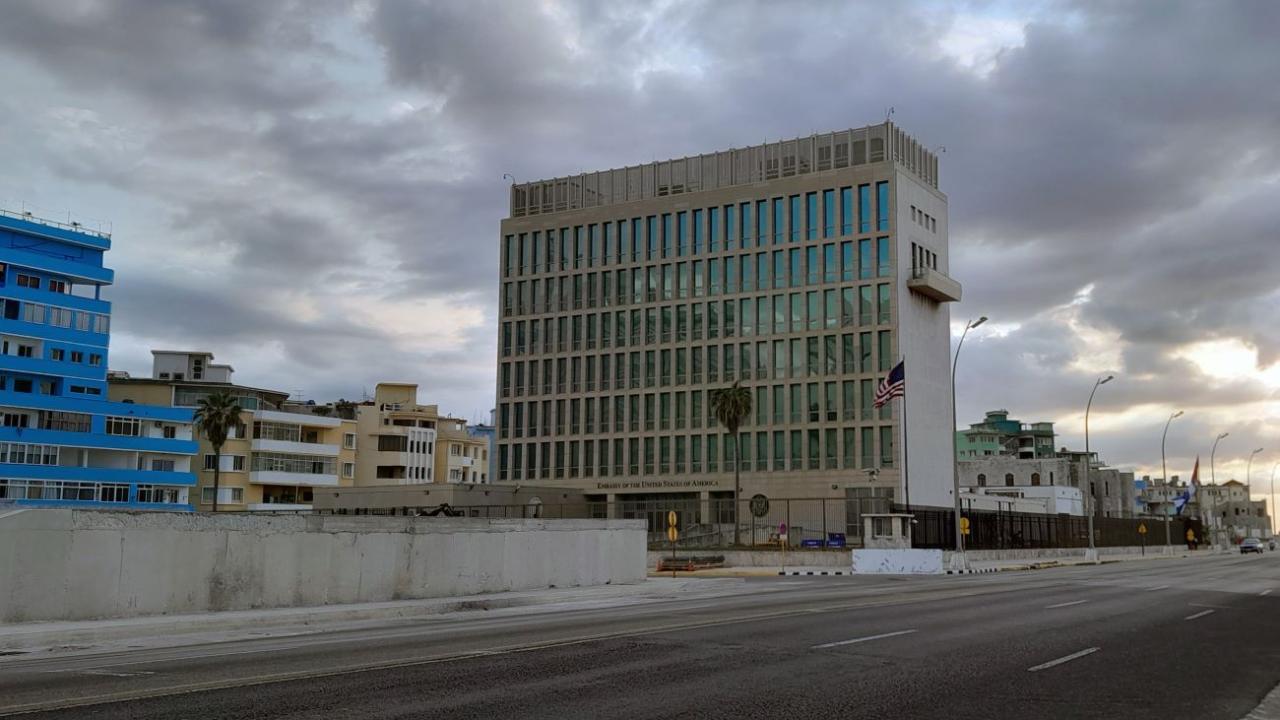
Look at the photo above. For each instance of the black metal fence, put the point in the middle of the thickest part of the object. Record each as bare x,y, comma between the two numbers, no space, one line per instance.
817,523
993,530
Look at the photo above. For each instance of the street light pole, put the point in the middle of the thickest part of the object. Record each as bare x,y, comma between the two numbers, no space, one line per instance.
1168,507
1273,498
959,562
1213,476
1092,554
1248,484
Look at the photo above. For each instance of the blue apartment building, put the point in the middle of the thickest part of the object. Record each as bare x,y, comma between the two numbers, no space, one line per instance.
62,442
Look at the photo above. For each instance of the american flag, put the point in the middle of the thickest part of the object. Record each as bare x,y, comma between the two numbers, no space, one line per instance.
895,385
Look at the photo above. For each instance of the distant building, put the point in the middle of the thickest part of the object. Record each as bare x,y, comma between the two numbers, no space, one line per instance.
273,460
62,442
404,443
997,435
1055,500
1046,481
1114,492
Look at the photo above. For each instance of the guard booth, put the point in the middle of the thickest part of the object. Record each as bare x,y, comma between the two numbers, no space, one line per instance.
886,531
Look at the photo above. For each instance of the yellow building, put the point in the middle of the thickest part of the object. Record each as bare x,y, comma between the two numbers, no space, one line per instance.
273,460
404,443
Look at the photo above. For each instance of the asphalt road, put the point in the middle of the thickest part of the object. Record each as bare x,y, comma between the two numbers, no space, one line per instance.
1184,638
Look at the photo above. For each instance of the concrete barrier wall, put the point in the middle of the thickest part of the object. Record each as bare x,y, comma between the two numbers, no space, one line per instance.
77,565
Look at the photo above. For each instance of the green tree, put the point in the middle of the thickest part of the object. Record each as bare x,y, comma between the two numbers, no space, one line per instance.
732,405
215,416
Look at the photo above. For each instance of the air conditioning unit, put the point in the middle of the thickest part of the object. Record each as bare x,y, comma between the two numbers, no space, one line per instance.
159,424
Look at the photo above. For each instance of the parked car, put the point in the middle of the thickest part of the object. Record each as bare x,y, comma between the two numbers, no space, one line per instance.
1250,545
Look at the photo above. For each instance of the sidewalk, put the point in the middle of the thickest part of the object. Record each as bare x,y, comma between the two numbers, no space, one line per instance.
169,630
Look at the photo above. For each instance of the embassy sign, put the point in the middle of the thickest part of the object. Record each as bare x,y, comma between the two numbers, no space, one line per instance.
658,484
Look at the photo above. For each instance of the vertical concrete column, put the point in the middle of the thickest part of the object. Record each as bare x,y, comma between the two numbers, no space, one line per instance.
704,507
611,506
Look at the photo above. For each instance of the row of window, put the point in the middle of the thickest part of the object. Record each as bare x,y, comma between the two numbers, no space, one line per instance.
62,490
34,282
862,448
1009,479
830,263
814,356
46,420
45,387
290,463
280,462
56,316
790,218
28,454
924,219
922,257
797,403
762,315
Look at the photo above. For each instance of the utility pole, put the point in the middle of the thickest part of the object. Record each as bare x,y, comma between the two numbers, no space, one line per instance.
1091,555
959,561
1164,468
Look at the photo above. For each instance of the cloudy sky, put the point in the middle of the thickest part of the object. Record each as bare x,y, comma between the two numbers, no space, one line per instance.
311,189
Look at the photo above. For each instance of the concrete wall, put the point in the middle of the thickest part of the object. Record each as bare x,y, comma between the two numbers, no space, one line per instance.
76,565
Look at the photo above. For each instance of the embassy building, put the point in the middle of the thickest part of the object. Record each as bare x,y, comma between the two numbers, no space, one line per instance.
803,269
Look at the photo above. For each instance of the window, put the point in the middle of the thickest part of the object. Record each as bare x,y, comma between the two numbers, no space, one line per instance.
33,312
162,465
58,286
170,432
28,281
95,359
124,426
1035,479
982,480
233,495
26,351
230,463
348,469
1008,479
77,356
57,354
349,441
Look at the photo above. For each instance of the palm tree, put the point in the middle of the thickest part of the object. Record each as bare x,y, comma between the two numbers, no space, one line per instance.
215,415
731,406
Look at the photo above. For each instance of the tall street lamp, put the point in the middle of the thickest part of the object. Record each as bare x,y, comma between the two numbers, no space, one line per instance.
1273,497
1248,484
1213,476
1168,507
959,563
1092,554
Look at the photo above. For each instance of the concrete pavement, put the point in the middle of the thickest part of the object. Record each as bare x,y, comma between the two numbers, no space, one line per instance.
1171,639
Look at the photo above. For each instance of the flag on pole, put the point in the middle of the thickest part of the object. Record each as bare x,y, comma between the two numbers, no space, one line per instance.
894,385
1189,492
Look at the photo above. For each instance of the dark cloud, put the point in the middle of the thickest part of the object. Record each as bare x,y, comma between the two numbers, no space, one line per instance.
1110,175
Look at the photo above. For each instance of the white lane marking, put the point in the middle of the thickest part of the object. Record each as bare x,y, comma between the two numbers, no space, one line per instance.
1065,604
1158,587
1063,659
862,639
1265,592
1200,614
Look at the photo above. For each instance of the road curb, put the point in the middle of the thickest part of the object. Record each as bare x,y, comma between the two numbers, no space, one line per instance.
792,573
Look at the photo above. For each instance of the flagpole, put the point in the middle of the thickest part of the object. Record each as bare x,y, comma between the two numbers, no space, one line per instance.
906,477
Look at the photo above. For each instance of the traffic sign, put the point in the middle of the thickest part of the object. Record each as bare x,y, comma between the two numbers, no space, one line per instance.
782,531
1142,528
673,534
964,526
671,518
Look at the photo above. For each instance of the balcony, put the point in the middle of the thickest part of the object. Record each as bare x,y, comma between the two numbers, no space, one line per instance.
934,285
277,477
294,447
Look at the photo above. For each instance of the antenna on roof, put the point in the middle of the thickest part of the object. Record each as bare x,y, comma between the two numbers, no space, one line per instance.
509,176
940,149
887,113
